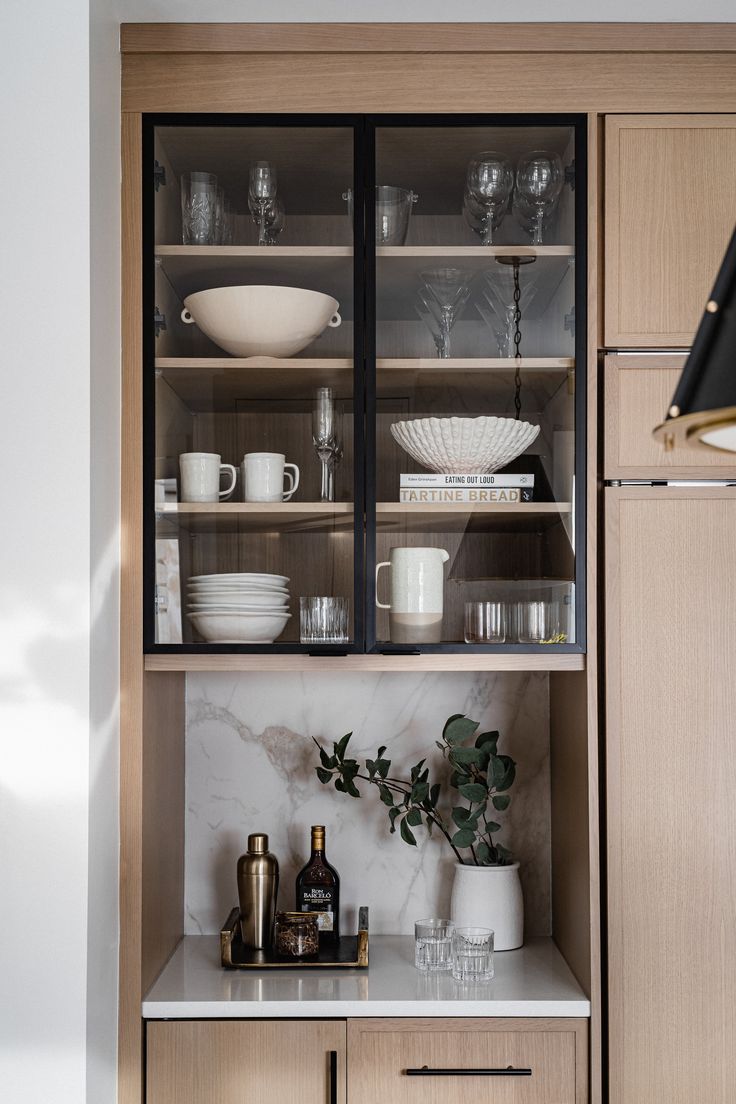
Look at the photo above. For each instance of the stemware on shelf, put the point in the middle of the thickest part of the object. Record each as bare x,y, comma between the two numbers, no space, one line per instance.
199,208
327,439
275,221
489,182
539,180
444,295
496,305
393,211
261,195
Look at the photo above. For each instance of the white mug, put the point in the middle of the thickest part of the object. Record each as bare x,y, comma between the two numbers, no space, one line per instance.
263,477
417,592
200,477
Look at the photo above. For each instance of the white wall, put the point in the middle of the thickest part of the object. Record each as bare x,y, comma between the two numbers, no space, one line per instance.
58,554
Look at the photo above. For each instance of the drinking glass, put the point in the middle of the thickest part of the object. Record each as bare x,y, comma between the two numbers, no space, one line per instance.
485,622
539,180
490,180
538,622
198,208
445,294
433,945
472,954
219,235
275,221
261,194
327,438
323,620
526,215
497,296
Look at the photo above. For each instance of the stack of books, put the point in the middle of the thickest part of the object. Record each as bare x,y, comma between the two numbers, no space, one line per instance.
427,488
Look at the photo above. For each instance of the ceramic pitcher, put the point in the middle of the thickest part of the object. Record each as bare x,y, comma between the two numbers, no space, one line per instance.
417,591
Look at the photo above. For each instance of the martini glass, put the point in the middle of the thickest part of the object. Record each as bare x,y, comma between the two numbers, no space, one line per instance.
445,293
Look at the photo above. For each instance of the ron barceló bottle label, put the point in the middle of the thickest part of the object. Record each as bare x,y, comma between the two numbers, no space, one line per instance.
319,899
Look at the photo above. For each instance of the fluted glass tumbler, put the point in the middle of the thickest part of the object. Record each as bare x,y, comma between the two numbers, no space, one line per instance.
324,620
433,945
199,206
472,954
485,622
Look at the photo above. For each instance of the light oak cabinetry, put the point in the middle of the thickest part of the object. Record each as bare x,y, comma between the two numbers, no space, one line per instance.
670,209
430,1061
671,716
246,1062
638,391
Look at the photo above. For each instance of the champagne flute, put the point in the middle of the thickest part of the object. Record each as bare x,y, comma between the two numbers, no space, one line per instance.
327,439
261,195
489,181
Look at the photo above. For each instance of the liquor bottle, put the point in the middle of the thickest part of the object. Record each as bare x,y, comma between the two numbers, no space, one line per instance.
318,890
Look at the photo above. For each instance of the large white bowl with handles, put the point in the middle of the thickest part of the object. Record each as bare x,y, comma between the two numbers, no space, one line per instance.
261,320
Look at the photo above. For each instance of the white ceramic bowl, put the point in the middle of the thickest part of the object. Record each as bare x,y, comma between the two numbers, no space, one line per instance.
239,628
263,599
260,320
448,445
250,579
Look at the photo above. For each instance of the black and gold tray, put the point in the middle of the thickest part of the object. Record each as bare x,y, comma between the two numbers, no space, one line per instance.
351,951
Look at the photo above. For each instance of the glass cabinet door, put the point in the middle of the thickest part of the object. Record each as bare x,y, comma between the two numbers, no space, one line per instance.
476,385
253,370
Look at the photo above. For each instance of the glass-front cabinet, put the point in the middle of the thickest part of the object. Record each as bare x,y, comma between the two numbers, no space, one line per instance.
364,343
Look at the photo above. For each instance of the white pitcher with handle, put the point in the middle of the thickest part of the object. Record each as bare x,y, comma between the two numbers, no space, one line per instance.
417,592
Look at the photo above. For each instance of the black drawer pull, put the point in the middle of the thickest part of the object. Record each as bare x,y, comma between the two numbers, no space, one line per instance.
510,1071
333,1077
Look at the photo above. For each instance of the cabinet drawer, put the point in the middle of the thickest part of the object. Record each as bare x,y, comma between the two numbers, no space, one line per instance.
638,392
385,1055
245,1062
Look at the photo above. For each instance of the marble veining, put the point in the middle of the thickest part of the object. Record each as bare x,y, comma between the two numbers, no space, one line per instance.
250,767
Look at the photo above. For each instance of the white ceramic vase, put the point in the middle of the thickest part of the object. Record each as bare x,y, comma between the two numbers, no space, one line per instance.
490,897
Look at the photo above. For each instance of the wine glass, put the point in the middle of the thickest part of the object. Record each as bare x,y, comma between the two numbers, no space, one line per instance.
275,221
445,293
489,180
327,439
539,180
477,216
526,216
261,195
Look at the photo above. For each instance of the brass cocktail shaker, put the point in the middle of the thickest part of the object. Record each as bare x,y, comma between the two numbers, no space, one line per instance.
258,886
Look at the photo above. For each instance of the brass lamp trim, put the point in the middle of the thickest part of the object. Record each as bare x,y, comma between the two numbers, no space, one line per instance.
685,430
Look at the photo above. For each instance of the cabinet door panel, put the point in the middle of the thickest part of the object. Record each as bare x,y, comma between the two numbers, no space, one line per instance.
243,1061
670,212
638,392
382,1051
671,778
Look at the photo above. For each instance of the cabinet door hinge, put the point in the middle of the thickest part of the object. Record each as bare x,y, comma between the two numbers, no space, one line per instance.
159,176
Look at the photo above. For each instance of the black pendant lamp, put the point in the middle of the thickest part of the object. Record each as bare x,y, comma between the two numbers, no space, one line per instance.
703,409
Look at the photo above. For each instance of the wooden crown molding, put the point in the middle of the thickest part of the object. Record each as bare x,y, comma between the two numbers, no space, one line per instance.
381,38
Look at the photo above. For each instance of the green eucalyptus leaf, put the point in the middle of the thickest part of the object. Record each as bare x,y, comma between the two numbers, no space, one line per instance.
406,833
510,772
463,756
448,722
483,852
488,740
434,795
340,785
419,792
497,771
393,813
417,770
460,778
324,776
414,817
370,766
501,802
492,826
504,856
351,788
380,752
383,766
460,815
325,759
463,838
386,796
459,729
473,791
341,745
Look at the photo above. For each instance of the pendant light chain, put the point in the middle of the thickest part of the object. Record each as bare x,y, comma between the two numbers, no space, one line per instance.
517,341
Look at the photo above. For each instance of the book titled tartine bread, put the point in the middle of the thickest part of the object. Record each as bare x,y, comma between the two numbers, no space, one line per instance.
476,495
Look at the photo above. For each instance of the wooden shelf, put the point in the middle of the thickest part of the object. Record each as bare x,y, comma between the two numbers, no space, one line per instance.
496,517
496,661
485,252
205,384
267,517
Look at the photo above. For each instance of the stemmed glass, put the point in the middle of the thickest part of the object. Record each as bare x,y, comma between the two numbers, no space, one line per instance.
443,298
327,439
275,221
498,309
539,180
489,181
261,196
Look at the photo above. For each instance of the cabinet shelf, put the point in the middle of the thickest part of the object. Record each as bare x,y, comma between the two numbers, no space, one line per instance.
483,251
485,517
233,517
207,383
364,664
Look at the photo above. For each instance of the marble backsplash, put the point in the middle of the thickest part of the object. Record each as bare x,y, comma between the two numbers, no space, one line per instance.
250,767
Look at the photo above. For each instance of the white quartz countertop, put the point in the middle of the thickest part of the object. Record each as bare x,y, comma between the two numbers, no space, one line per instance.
533,981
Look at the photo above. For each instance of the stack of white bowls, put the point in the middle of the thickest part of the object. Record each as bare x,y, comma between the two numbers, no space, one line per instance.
239,608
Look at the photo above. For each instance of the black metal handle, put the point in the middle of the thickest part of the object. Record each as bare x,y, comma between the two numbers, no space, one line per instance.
509,1071
333,1077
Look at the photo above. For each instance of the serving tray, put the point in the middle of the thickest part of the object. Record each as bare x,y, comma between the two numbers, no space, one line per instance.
351,951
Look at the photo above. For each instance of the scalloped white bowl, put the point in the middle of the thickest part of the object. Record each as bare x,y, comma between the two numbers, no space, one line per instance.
464,445
261,320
